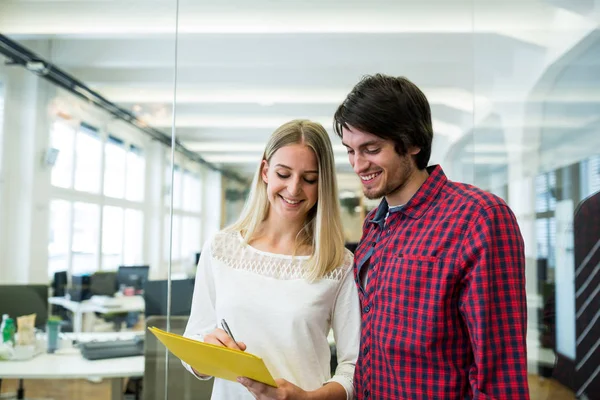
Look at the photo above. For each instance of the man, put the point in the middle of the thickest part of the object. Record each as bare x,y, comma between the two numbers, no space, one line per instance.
440,266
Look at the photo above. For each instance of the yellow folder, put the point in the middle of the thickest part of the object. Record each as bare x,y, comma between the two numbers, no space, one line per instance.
218,361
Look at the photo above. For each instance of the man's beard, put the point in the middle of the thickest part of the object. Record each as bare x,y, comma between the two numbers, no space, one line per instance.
388,189
404,174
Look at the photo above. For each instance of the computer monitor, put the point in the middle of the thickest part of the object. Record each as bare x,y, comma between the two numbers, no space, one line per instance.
59,284
18,300
155,297
133,276
103,283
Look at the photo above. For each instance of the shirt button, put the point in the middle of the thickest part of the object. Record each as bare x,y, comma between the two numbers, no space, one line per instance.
373,244
367,309
366,392
365,351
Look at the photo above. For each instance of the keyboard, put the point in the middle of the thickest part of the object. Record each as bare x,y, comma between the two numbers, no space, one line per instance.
112,349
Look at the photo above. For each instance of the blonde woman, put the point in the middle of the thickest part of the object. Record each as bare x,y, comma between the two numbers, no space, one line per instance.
281,277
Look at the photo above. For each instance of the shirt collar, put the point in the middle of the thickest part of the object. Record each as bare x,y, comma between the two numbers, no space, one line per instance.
422,199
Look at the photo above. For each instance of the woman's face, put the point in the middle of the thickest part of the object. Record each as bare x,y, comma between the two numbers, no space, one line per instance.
292,181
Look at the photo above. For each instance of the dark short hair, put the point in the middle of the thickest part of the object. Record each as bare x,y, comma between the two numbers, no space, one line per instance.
391,108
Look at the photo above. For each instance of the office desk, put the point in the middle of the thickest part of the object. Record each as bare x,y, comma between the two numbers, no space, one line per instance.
69,364
78,308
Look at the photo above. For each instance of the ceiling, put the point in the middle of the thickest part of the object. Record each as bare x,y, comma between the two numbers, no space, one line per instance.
243,68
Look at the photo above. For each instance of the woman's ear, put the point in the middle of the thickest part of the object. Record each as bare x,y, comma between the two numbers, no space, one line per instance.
265,170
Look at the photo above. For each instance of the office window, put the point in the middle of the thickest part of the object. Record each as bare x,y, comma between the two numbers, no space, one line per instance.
190,236
86,233
59,236
177,186
62,138
112,237
133,237
191,192
88,159
552,242
176,237
136,173
122,237
187,206
115,157
590,176
541,227
100,172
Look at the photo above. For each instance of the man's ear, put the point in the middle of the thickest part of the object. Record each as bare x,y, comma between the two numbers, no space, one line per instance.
265,170
413,151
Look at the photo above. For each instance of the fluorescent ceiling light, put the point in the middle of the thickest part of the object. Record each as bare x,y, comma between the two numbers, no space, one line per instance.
459,99
238,147
239,122
252,159
496,148
216,147
110,18
485,160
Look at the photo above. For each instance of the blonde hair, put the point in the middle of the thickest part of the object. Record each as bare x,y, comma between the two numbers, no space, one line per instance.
322,230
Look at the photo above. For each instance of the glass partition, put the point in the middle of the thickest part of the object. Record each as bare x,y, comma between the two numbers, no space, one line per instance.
534,145
130,131
87,90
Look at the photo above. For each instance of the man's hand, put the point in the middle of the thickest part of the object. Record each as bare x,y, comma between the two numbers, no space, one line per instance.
284,390
219,337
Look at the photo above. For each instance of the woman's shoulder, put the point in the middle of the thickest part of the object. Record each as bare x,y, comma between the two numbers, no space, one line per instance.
340,271
348,260
223,241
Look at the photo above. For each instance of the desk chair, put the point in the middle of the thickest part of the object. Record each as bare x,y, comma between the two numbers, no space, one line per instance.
181,384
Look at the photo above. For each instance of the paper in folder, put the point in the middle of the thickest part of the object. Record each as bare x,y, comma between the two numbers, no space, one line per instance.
218,361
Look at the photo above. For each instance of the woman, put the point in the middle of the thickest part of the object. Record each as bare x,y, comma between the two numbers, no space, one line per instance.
281,277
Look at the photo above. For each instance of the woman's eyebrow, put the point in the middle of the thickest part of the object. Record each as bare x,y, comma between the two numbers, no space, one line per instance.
306,172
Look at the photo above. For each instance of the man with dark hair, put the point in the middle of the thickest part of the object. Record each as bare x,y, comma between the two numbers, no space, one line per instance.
440,267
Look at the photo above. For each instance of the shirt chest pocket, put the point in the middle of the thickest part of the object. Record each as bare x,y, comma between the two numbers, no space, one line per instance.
415,293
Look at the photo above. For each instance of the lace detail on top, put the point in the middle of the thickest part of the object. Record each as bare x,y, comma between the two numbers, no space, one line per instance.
229,248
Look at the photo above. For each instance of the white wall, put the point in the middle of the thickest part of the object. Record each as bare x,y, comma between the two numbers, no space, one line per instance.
23,208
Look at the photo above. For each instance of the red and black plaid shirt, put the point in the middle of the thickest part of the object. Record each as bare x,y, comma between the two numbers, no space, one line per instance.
444,310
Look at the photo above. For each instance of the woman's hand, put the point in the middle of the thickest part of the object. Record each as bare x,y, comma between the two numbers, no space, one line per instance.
219,337
284,390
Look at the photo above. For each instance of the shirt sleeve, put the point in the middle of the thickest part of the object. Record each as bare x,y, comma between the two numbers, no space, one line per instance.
203,319
346,331
493,305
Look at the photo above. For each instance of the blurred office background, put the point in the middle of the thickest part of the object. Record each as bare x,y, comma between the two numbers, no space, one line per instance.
94,93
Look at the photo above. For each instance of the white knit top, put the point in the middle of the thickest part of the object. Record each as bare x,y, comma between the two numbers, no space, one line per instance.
279,315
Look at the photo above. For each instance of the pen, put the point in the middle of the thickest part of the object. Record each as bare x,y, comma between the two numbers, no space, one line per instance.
228,331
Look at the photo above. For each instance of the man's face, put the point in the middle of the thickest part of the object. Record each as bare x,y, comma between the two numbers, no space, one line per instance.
382,171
